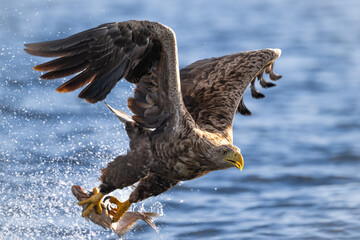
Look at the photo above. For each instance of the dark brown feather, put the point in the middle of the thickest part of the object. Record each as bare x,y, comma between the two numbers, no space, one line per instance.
273,76
254,92
264,83
242,109
64,72
76,82
62,63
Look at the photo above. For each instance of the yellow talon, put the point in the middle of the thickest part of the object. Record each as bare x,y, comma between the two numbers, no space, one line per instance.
93,201
121,209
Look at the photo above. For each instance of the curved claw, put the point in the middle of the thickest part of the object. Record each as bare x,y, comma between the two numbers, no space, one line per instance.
110,209
121,209
93,201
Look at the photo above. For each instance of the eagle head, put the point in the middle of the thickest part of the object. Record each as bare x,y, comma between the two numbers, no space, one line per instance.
228,156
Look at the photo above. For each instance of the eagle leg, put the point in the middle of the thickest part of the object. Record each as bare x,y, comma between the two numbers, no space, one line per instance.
121,209
93,202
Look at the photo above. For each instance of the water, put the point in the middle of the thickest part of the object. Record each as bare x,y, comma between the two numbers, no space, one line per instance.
301,146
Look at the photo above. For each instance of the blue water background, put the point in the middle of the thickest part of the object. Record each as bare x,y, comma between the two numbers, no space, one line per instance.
301,178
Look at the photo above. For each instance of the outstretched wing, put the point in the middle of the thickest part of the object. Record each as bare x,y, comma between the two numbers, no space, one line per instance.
101,56
143,52
213,88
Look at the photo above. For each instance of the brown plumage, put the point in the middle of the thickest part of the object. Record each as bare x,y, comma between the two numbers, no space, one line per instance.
180,130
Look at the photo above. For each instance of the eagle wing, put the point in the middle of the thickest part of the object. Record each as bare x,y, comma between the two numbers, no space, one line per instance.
142,52
213,88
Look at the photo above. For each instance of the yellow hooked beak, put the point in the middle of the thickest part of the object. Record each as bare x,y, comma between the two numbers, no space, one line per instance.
236,159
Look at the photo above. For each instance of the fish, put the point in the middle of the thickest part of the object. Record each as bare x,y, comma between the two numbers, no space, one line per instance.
124,225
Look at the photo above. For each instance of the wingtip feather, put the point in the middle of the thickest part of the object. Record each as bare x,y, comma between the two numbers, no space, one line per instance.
62,89
37,68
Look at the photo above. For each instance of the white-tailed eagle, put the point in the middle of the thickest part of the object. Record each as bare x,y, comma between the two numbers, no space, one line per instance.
181,127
